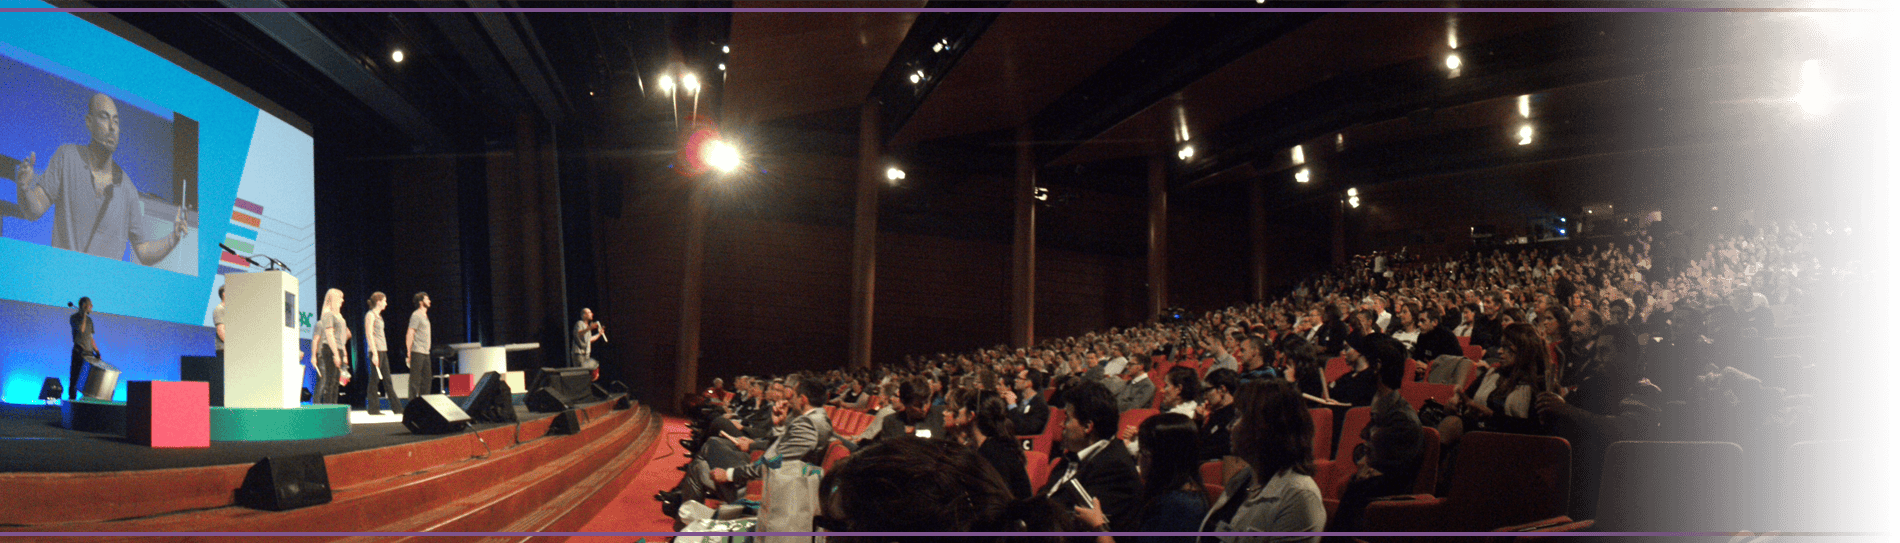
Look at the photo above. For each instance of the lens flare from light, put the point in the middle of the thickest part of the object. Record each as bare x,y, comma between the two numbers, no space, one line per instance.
689,82
666,84
722,156
1816,97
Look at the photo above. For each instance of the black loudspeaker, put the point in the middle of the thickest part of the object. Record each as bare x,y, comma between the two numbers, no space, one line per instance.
492,401
433,414
545,400
282,483
566,423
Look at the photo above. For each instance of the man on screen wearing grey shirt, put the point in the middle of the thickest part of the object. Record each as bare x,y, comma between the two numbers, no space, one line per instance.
98,208
421,371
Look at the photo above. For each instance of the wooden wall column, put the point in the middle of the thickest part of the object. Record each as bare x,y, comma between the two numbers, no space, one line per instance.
1022,322
692,287
1257,230
1157,236
864,235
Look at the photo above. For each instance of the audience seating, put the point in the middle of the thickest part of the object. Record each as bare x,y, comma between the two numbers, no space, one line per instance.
1498,480
1664,486
1475,353
1825,486
1464,341
1133,417
835,453
1045,442
1428,463
1211,472
1037,464
1416,393
1322,432
1356,420
1336,367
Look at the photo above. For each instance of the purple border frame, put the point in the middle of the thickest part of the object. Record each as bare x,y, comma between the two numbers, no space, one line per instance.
914,534
942,10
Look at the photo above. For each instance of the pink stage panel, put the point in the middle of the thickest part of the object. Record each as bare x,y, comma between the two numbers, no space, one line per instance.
168,414
461,384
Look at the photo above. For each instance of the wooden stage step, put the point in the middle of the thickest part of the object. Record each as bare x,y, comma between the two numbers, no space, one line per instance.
491,481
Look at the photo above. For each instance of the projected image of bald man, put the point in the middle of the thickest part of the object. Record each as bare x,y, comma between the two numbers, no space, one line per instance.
96,208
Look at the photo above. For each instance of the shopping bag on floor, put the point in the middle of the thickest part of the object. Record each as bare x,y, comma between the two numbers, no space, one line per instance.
790,500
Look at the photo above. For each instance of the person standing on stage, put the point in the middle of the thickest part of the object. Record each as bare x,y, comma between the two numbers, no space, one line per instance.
581,345
420,370
332,334
217,321
378,340
83,345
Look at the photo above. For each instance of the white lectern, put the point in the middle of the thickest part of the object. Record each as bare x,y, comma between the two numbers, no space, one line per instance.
262,365
476,359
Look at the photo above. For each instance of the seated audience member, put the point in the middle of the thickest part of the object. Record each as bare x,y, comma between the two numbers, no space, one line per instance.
1405,328
1173,498
1180,391
992,436
1094,457
1500,400
1028,411
907,484
1393,441
1332,333
1301,360
1276,492
1139,393
889,390
1217,414
1434,341
916,416
1356,387
722,466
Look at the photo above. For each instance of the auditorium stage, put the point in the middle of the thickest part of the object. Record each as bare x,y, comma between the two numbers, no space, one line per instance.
509,477
32,440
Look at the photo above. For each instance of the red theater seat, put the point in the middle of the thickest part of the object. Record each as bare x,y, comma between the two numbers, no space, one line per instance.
1037,464
1322,432
1211,472
1499,480
1336,367
1416,393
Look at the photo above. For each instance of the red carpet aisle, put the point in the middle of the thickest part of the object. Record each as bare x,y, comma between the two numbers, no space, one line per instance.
634,510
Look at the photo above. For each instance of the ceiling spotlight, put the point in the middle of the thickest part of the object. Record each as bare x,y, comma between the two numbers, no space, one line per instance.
396,56
937,48
721,156
727,49
1299,155
1339,141
1452,62
1524,105
893,174
1186,152
666,84
690,83
916,77
1353,192
1353,201
1304,175
1041,194
722,66
1524,134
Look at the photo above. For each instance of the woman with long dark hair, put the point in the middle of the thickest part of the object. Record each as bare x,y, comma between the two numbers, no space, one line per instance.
994,437
1500,399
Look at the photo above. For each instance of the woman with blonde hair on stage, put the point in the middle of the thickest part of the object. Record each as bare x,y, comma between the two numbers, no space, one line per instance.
332,334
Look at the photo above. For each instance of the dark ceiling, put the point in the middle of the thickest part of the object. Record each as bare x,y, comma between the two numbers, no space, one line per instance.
1368,96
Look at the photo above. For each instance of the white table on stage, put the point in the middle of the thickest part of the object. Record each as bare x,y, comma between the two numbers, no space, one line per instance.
477,359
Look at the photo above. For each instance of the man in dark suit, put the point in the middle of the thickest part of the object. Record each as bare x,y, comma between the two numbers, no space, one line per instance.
1029,413
1096,459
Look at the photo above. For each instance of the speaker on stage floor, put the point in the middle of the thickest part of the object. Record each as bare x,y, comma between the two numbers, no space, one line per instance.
566,423
433,414
491,401
545,400
281,483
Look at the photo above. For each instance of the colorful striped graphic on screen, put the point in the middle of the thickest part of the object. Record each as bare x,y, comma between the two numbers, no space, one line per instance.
246,219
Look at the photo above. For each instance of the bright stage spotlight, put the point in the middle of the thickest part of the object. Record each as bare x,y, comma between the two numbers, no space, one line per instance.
893,174
666,84
689,82
721,156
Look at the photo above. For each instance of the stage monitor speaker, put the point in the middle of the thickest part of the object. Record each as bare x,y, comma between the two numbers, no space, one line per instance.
492,400
101,379
281,483
545,400
566,423
433,414
571,384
